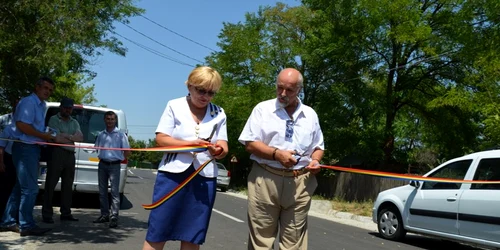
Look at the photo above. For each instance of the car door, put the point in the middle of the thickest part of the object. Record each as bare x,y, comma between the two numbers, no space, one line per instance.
435,204
479,205
91,123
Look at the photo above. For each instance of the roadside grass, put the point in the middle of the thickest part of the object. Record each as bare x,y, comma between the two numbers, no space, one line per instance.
361,208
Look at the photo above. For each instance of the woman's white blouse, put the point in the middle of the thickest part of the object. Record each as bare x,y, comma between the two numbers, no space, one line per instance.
178,123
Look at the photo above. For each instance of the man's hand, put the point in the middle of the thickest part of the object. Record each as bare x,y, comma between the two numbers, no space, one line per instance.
47,137
60,138
286,158
313,167
76,137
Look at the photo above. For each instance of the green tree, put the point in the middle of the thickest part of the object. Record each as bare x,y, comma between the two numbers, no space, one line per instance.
252,54
59,39
394,82
418,62
137,157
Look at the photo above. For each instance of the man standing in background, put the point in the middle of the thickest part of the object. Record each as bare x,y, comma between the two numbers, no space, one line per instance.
7,169
109,168
62,163
6,119
30,126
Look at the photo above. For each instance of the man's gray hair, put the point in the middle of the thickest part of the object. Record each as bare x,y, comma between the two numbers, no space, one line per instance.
301,80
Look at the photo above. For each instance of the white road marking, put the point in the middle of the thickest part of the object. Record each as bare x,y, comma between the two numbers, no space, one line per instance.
227,215
132,173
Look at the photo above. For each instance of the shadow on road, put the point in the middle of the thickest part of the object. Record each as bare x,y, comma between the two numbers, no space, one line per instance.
83,200
84,231
86,209
430,243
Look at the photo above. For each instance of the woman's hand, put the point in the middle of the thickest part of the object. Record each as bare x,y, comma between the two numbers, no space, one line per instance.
200,142
215,150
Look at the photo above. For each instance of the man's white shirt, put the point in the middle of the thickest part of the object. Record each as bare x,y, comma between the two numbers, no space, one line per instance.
5,120
268,124
178,123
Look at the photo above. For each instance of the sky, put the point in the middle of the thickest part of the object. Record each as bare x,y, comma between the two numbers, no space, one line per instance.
141,83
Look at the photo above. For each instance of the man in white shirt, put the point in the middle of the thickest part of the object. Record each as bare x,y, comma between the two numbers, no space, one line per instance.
6,119
286,144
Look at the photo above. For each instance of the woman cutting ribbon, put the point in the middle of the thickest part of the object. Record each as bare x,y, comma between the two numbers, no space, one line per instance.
190,120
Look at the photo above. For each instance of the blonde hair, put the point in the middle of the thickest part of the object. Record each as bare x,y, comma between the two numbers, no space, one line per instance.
205,77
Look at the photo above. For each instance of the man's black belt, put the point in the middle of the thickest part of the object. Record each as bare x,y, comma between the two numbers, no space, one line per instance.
110,162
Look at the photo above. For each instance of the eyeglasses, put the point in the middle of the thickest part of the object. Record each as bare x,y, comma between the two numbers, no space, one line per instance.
204,91
289,129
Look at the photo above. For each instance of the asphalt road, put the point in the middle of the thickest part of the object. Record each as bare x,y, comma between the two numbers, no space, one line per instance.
228,228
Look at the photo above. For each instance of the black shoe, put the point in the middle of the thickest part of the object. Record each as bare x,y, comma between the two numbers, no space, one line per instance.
114,222
48,220
102,219
14,228
68,218
36,231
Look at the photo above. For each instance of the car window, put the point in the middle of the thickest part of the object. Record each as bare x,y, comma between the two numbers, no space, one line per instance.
221,167
487,170
454,170
91,121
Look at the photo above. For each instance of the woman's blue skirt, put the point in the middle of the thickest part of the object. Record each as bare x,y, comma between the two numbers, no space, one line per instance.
186,215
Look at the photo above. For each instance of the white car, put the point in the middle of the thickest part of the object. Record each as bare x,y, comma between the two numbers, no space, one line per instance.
91,120
463,212
223,177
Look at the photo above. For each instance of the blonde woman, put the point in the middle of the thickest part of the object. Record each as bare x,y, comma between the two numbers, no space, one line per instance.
186,121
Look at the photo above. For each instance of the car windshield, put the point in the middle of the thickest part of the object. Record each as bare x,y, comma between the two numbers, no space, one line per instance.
91,121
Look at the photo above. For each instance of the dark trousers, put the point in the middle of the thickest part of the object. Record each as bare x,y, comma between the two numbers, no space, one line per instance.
7,181
61,165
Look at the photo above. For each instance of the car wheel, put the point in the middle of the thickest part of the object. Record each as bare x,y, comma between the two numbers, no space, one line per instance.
390,224
223,189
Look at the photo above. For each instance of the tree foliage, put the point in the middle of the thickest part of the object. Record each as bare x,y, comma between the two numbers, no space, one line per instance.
144,156
420,61
59,39
395,82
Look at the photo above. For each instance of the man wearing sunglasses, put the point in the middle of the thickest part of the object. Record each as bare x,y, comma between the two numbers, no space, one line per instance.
286,144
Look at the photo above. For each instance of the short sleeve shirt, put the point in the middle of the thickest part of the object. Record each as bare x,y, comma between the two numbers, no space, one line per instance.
5,120
30,110
113,141
7,133
71,126
271,124
178,123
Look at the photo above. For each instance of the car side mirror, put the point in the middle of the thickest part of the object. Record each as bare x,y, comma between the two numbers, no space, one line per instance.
415,184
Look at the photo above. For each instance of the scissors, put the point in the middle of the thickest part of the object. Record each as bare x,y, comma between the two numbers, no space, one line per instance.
208,139
298,156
